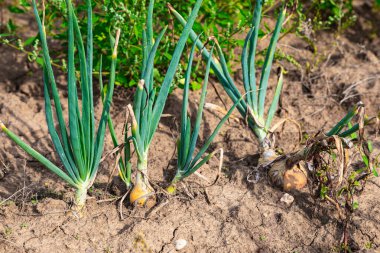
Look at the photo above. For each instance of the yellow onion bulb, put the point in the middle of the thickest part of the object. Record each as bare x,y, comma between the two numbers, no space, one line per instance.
142,194
288,179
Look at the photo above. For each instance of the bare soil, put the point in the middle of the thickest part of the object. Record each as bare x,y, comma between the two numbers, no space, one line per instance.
231,216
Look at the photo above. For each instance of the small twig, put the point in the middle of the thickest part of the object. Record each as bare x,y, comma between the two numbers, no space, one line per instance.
283,121
14,194
115,167
23,188
341,215
121,204
218,95
207,197
107,200
220,166
157,208
217,108
187,192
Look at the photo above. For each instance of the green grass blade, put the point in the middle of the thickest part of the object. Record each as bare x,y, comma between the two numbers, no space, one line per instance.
179,153
198,120
150,63
103,93
185,145
223,64
53,86
276,98
197,166
145,51
268,63
245,68
343,122
252,54
353,135
114,138
127,160
163,94
86,104
99,143
213,135
185,105
229,86
149,30
137,100
80,130
235,96
139,144
89,77
242,107
348,132
152,97
53,168
73,99
148,77
66,159
110,123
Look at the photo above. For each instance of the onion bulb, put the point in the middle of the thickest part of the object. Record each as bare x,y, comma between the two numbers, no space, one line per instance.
142,194
288,179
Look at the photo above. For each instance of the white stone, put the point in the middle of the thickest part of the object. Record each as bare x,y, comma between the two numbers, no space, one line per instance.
180,244
287,199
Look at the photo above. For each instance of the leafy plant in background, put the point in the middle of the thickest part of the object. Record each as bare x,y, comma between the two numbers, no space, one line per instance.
327,14
80,148
148,105
130,16
222,19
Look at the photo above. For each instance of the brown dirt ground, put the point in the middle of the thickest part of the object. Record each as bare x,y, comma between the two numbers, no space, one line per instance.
231,216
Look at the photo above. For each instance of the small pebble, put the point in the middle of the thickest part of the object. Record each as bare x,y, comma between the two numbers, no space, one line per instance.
180,244
287,199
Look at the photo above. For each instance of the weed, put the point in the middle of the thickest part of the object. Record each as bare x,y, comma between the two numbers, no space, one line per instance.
7,232
24,225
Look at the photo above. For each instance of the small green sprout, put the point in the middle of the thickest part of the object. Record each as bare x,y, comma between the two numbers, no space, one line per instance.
7,231
24,225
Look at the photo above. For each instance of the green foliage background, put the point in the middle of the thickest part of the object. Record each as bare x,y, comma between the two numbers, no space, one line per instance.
220,18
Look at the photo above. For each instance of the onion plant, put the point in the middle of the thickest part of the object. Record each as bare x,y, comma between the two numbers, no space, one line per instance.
188,161
148,106
252,108
79,147
279,168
